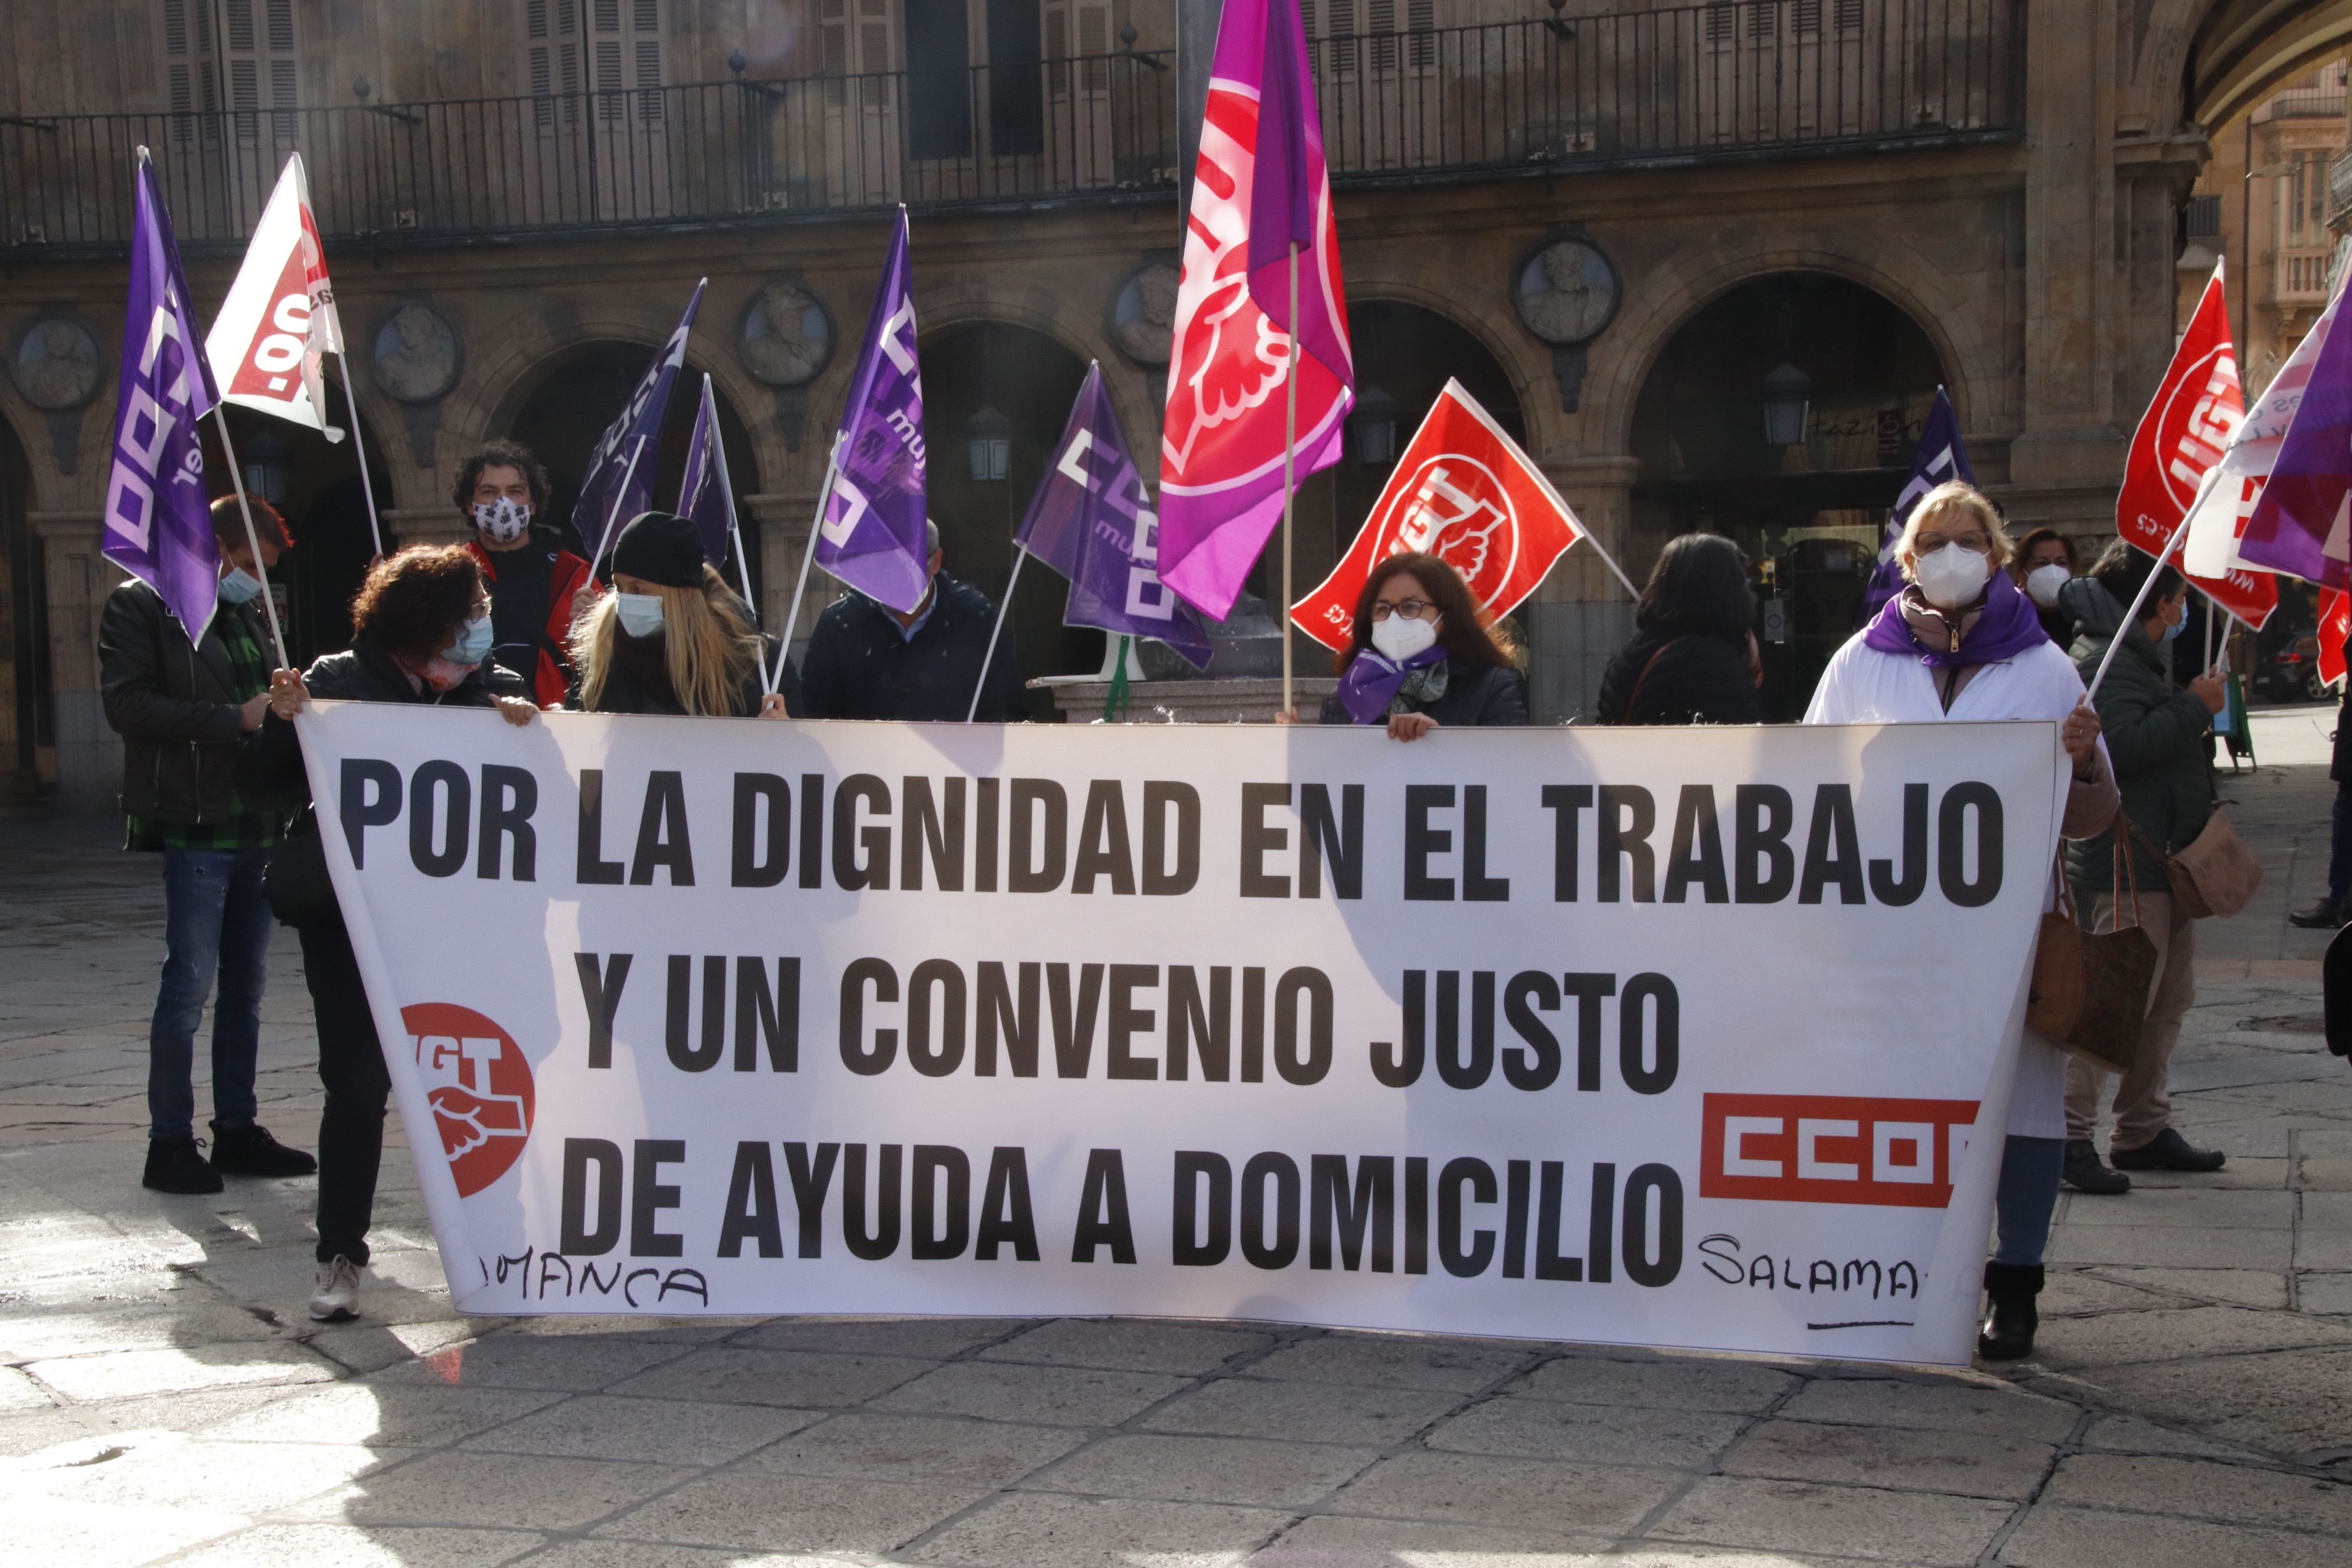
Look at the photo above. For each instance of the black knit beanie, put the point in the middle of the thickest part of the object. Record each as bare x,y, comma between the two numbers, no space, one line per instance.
660,547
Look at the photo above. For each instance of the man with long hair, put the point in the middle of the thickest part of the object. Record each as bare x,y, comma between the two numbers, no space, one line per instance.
538,588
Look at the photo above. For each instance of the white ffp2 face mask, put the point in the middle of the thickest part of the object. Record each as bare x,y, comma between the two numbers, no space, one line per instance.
1951,577
1398,639
503,520
2044,580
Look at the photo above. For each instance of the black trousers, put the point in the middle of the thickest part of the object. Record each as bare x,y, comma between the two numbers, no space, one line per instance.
351,1066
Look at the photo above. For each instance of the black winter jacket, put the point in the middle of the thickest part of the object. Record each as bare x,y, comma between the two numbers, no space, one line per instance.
2157,737
1477,695
270,773
860,665
1697,680
174,705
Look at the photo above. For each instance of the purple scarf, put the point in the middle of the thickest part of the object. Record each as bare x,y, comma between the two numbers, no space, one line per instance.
1371,680
2007,627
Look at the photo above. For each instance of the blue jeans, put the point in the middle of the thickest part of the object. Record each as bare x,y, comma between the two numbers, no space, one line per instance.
2027,1197
214,918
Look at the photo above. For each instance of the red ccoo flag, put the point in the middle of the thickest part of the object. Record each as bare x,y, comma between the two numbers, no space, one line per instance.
2197,408
1464,492
279,320
2335,629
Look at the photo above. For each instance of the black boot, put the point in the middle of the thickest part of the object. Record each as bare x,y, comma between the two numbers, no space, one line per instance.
250,1150
2325,915
2084,1174
178,1165
2009,1325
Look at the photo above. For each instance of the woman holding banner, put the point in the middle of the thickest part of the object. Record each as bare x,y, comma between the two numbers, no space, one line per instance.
1420,656
672,638
420,634
1961,642
1692,660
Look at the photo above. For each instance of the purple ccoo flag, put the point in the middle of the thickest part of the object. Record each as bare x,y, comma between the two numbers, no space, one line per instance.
704,497
2302,522
1938,457
870,530
158,518
1093,521
619,483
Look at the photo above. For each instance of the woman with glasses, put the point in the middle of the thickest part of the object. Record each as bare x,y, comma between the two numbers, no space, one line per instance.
1692,660
1420,657
420,634
1961,642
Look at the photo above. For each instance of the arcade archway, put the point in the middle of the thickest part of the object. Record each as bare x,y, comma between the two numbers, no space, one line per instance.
1783,414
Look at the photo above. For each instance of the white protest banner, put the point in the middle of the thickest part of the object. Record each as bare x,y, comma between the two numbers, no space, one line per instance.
1694,1038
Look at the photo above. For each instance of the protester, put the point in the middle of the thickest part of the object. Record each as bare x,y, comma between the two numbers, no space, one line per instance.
2044,564
420,634
2159,738
867,661
1960,642
2334,908
1420,656
538,588
673,637
183,711
1694,658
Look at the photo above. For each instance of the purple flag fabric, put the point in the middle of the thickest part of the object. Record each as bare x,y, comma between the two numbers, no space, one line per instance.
1281,193
1093,521
2302,522
158,516
870,533
2008,627
613,491
704,497
1371,680
1938,457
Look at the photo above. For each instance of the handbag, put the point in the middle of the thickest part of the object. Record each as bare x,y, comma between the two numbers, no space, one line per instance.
295,881
2119,970
2216,875
2054,1001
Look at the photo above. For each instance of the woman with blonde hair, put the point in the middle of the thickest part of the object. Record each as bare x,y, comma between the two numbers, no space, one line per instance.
1961,642
672,638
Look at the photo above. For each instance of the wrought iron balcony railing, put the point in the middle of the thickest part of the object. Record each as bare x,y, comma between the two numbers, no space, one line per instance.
1693,83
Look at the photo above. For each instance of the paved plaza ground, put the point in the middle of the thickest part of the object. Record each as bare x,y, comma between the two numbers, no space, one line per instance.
165,1398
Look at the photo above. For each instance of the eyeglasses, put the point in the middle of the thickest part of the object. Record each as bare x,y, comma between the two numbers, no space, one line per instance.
1410,609
1976,542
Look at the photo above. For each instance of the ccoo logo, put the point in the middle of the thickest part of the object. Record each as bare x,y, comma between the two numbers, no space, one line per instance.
480,1084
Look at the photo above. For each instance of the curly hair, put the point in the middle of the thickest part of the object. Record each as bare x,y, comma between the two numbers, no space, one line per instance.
413,603
1464,631
500,454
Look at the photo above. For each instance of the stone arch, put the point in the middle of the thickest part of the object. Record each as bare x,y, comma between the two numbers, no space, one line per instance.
2219,59
967,302
1496,329
1670,296
26,654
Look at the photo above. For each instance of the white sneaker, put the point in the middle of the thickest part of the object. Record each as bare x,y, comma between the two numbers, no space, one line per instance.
336,1299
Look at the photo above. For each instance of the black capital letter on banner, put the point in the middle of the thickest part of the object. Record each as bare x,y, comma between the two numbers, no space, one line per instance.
1102,1210
591,869
1566,803
579,1239
359,811
648,1197
810,1182
751,1205
601,992
1005,1213
758,862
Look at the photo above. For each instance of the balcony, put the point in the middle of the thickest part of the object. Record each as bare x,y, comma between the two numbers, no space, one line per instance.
1694,84
2299,275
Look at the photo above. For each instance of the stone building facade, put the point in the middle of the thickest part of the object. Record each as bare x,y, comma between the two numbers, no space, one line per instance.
1609,220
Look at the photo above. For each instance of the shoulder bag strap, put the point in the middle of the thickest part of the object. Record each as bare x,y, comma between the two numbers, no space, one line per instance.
1633,700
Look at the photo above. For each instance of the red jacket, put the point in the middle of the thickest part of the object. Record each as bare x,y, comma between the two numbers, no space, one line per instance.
552,680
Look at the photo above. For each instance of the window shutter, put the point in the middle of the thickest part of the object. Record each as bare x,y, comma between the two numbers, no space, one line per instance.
1808,17
264,72
1381,24
1094,41
1421,16
1848,15
1763,19
1722,25
1057,51
873,49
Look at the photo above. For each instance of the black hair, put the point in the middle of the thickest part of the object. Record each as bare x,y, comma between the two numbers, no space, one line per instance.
500,454
1699,587
2121,569
269,522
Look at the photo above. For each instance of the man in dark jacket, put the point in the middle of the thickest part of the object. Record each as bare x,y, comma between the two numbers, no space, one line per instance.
183,709
537,586
864,661
2157,738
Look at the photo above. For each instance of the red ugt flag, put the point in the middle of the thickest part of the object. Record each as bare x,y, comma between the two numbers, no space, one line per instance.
2197,408
1464,492
2334,628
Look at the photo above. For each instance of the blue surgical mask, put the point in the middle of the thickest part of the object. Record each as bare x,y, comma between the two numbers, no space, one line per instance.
2177,627
641,613
473,644
240,586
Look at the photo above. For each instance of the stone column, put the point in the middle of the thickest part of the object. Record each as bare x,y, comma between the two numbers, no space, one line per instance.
1582,616
785,523
89,753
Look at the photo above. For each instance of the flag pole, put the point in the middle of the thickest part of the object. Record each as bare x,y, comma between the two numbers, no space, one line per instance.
2131,617
1019,554
1290,457
252,539
808,558
1611,561
734,524
359,449
619,494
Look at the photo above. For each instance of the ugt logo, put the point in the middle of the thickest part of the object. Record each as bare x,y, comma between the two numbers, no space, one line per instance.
480,1084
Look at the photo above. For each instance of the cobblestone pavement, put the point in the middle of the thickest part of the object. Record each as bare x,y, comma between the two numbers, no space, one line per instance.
164,1397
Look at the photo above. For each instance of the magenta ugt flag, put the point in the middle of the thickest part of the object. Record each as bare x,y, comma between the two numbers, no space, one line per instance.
2300,523
616,488
1093,521
158,516
870,533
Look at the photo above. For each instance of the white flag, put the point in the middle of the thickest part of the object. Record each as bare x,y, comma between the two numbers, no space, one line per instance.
278,320
2218,520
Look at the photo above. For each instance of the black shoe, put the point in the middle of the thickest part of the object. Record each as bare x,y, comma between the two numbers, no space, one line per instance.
2325,915
2011,1318
178,1165
2085,1174
2167,1150
252,1152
